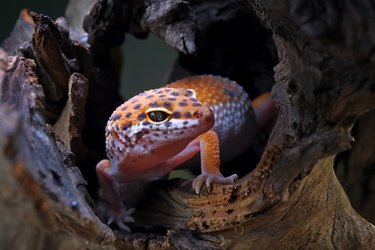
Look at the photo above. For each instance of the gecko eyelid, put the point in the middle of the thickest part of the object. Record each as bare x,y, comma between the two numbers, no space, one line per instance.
158,115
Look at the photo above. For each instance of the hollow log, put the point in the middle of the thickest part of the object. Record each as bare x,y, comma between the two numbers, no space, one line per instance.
298,187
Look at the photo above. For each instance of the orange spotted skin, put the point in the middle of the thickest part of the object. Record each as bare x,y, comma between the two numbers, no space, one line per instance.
211,90
234,116
160,129
137,144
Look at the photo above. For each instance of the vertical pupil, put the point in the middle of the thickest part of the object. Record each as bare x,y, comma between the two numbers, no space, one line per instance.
157,116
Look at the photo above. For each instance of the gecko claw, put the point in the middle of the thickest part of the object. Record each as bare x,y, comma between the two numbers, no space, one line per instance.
121,219
211,178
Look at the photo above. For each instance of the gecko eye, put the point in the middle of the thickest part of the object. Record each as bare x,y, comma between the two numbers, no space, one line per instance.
158,115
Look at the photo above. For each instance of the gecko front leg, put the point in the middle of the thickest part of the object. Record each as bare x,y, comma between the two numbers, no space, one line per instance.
207,144
210,162
111,193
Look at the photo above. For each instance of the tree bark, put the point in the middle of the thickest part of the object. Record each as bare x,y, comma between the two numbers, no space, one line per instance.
58,86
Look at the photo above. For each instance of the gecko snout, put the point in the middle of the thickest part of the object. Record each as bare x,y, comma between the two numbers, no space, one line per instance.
206,116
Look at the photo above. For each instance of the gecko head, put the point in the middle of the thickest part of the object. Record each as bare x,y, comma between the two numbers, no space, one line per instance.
160,118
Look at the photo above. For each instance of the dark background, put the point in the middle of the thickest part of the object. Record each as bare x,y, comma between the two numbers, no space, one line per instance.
147,62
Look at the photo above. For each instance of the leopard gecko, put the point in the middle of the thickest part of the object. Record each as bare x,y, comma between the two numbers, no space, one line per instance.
156,131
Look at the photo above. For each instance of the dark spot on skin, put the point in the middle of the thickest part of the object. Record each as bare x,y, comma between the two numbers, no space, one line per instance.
177,115
190,91
159,92
145,146
149,96
185,123
168,124
134,101
229,211
187,94
196,104
138,135
172,99
167,90
124,108
161,96
167,104
182,104
145,131
165,132
151,141
137,106
181,132
128,114
156,134
115,117
188,115
127,138
193,99
126,126
154,105
146,123
141,116
175,93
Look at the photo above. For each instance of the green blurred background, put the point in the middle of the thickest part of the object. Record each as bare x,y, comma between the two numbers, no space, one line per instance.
147,62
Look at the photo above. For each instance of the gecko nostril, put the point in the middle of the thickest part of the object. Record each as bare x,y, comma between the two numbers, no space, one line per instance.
197,114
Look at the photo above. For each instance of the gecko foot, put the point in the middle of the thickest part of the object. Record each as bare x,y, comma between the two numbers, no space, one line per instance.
121,219
211,178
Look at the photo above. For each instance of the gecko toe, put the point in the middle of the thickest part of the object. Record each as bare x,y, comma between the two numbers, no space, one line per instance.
217,179
210,179
120,219
123,227
198,183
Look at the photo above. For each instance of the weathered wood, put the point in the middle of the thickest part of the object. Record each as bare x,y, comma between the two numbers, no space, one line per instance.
41,173
355,168
38,171
173,21
70,125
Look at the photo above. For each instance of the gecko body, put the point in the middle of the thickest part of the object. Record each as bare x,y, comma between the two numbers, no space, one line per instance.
154,132
234,117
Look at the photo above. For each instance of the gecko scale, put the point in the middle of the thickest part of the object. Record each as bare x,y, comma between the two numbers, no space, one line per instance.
154,132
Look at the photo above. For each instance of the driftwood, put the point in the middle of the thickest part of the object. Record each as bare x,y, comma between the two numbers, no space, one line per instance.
58,86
